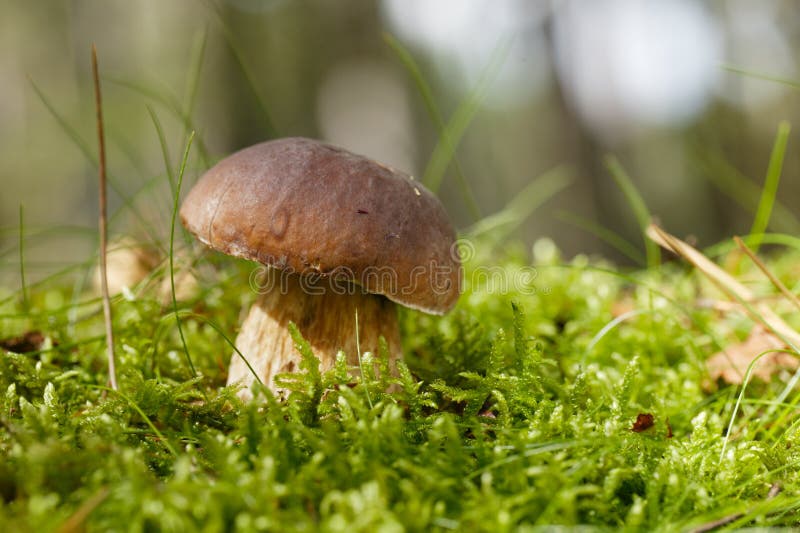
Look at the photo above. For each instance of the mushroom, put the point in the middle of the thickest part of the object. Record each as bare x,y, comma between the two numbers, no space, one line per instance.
342,237
127,262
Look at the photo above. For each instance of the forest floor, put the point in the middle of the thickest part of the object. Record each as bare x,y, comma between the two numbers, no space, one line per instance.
556,393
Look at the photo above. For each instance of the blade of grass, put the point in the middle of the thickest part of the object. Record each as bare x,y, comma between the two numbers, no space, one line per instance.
171,254
611,325
457,126
415,72
23,288
112,372
54,314
164,148
142,414
765,238
762,76
535,193
269,125
767,272
411,66
34,231
65,126
192,85
30,237
30,266
166,99
760,313
770,189
727,179
47,279
231,343
637,205
606,235
127,145
164,153
748,374
73,134
795,301
360,365
724,247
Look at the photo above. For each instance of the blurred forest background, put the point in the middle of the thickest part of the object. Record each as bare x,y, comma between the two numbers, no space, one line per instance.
534,85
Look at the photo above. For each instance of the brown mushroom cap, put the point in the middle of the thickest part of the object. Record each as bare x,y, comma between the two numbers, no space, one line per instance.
310,207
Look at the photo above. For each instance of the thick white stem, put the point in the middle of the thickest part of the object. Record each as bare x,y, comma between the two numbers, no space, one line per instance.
327,321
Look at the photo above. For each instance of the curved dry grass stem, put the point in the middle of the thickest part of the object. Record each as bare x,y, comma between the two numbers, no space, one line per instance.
759,312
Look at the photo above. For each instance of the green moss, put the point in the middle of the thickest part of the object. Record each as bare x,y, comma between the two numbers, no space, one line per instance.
514,411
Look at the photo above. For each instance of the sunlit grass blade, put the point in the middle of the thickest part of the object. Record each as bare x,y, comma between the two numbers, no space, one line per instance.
462,117
76,138
161,438
192,86
606,235
228,340
535,193
164,153
739,398
727,245
419,80
435,115
637,205
66,127
169,101
791,297
270,130
794,84
731,182
31,265
770,189
733,288
360,363
48,279
777,283
164,148
23,288
171,254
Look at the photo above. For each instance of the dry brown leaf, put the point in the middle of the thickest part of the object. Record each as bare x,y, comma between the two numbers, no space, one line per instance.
771,333
626,304
644,421
730,365
30,341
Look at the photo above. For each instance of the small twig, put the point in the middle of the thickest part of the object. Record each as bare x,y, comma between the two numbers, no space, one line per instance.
112,372
761,266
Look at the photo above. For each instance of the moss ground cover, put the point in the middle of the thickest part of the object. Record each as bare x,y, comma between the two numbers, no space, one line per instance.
576,395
